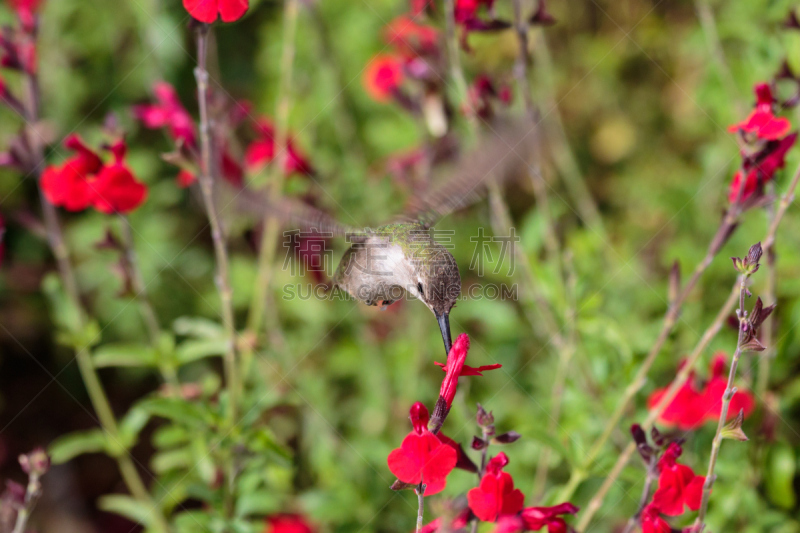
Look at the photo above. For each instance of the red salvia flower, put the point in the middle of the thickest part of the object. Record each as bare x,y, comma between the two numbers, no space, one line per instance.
208,10
422,458
467,370
652,522
496,495
288,523
26,11
185,178
535,518
411,39
168,112
116,189
692,407
762,122
759,172
678,486
68,186
463,462
383,77
261,152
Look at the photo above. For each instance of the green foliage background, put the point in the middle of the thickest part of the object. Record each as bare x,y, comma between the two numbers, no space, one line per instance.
645,108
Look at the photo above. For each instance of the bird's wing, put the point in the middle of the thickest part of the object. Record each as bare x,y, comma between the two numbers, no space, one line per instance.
292,213
499,155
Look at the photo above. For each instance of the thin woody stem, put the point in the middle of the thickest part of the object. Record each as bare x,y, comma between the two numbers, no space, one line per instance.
420,490
271,225
220,246
766,244
721,236
149,316
683,375
730,390
768,330
55,238
652,474
709,25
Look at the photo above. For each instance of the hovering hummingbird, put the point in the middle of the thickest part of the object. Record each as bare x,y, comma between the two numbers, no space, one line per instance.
402,257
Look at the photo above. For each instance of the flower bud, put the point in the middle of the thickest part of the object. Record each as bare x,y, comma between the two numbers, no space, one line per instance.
35,463
483,418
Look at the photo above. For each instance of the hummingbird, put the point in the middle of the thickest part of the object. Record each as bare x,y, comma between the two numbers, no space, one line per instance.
400,258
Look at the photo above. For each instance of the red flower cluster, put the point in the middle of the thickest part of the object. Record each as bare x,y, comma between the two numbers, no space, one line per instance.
693,406
84,180
422,457
415,47
496,495
208,10
26,11
168,112
288,523
678,487
261,152
768,140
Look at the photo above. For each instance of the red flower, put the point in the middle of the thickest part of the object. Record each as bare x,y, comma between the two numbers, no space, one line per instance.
26,11
677,484
262,151
422,457
116,190
169,113
383,77
692,407
411,39
463,462
467,10
535,518
208,10
481,94
496,495
288,523
761,169
185,178
761,121
68,185
652,522
467,370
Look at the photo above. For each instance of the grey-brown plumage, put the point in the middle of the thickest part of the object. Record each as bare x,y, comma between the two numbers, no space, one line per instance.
385,263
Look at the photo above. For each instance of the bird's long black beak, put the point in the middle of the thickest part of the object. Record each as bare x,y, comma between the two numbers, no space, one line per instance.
444,326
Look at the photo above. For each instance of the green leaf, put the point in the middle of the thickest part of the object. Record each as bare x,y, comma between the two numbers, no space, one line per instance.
256,503
132,424
194,350
201,328
172,460
178,410
125,355
126,506
70,446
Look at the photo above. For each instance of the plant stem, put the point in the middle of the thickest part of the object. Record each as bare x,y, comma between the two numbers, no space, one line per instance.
454,59
149,317
563,157
32,493
670,320
206,180
672,390
91,380
420,490
652,474
766,245
726,402
706,16
266,253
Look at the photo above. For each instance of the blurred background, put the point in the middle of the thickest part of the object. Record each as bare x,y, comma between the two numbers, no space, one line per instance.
635,105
